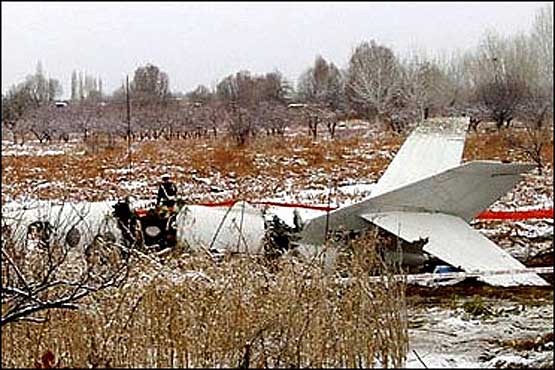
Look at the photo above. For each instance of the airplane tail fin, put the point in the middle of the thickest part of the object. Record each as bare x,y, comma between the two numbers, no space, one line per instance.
434,146
463,191
426,176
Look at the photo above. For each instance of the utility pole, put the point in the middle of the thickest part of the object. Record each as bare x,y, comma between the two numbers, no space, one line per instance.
128,123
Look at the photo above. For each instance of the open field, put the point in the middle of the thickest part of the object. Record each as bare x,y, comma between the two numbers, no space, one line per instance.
209,169
157,320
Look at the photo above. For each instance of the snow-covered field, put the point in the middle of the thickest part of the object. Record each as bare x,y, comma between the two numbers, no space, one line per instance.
441,336
453,338
33,148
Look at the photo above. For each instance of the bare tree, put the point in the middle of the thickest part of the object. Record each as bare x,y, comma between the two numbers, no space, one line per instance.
37,89
74,86
274,118
84,118
39,83
247,90
314,115
81,87
15,105
321,84
240,124
215,115
238,88
500,78
44,273
532,144
40,122
374,78
501,97
427,87
538,104
542,40
54,89
100,94
536,108
91,88
150,84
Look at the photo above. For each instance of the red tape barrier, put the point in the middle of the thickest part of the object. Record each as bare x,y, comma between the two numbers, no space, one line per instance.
225,203
516,215
486,215
228,203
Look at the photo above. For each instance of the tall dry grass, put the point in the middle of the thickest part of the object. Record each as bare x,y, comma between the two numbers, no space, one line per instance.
242,311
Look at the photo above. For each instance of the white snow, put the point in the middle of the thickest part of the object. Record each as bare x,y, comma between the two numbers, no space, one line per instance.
33,148
452,338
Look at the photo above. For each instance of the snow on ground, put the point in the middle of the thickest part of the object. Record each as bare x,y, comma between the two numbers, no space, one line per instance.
442,337
452,338
533,192
33,148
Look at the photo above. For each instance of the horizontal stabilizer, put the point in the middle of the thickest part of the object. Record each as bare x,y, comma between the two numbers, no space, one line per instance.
463,191
452,240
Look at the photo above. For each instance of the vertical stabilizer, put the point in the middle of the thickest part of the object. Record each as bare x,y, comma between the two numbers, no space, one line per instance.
434,146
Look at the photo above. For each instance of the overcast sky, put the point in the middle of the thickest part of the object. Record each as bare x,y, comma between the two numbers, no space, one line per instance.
200,43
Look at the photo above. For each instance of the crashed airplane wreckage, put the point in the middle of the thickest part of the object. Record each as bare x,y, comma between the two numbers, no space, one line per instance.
426,198
426,194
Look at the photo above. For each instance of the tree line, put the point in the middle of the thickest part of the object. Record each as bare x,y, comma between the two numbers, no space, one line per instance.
503,79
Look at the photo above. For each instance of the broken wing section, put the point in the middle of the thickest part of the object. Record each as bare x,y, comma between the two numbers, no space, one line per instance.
463,191
434,146
452,240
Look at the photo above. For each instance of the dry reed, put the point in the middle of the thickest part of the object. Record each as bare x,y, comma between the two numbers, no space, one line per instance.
242,311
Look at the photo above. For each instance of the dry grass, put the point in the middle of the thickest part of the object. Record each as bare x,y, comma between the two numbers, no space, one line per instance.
497,146
250,312
529,343
266,166
92,176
